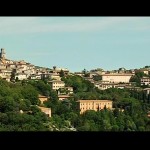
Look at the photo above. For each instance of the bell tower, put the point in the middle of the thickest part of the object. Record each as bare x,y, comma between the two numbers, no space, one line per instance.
2,54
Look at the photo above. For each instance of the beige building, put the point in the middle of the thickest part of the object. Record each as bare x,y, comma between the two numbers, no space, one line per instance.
42,98
96,105
56,84
116,78
47,111
5,74
63,97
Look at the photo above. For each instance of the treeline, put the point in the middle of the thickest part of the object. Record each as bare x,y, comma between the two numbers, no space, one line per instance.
129,114
17,98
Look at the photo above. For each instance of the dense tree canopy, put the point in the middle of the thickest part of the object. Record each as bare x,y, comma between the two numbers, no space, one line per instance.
15,97
137,78
78,83
129,113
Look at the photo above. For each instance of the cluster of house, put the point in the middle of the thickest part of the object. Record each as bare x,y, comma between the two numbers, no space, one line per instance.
116,79
20,70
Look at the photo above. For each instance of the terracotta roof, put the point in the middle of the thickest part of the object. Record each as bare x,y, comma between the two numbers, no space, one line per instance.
41,96
44,108
61,96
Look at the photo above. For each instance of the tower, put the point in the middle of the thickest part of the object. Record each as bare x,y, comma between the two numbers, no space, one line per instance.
2,54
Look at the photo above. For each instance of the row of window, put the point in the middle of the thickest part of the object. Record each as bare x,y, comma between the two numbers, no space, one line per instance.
86,108
91,108
58,86
145,83
104,86
96,103
58,83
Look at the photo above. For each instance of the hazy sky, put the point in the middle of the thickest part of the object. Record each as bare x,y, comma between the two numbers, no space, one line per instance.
77,42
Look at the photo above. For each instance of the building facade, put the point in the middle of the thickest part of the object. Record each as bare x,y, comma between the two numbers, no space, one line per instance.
116,78
96,105
56,84
145,81
45,110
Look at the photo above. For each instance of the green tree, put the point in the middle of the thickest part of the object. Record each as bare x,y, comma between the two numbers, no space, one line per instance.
29,92
137,78
62,74
97,77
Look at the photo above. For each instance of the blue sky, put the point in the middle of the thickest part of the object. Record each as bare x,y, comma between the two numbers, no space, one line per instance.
77,42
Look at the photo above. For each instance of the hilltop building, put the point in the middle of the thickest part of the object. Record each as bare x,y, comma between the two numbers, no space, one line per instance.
12,70
116,78
2,54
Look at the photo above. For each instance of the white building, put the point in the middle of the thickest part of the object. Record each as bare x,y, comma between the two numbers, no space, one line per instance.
35,76
145,81
21,76
116,78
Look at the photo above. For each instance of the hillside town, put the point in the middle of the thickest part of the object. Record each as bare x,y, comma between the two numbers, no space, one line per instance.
59,80
12,71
